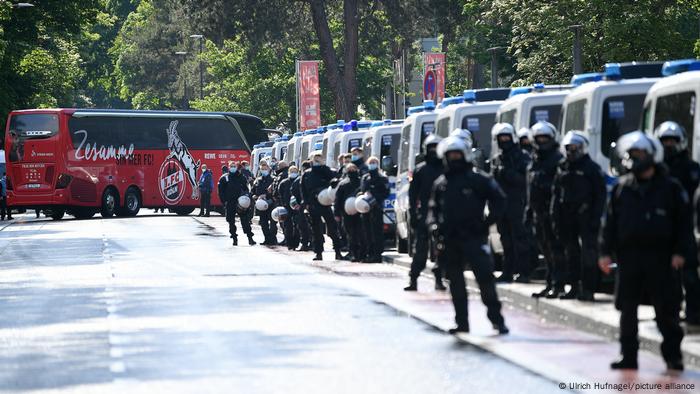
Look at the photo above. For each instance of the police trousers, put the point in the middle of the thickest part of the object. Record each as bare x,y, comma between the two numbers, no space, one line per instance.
266,223
580,241
231,214
477,254
648,272
421,249
355,236
319,215
301,227
373,222
551,249
514,238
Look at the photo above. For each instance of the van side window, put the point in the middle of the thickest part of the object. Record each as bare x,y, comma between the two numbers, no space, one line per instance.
680,108
405,142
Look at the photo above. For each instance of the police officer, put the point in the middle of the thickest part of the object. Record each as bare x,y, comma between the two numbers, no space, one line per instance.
418,196
524,140
298,214
284,194
509,169
313,181
261,189
245,170
540,176
456,214
280,174
647,231
375,184
358,159
351,222
687,172
232,186
577,208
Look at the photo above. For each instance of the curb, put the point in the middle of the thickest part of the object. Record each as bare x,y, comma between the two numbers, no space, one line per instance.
554,313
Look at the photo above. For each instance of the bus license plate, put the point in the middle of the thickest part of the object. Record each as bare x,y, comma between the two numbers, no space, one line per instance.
33,186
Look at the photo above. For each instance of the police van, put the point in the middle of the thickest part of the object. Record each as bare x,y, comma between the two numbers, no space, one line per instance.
675,98
260,152
309,139
279,148
329,139
352,137
382,140
418,125
293,147
609,107
529,105
476,112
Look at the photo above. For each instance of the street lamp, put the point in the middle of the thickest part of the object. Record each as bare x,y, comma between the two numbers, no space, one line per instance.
201,67
578,67
183,54
22,5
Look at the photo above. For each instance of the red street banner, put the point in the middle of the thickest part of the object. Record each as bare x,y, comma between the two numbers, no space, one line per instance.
435,61
308,94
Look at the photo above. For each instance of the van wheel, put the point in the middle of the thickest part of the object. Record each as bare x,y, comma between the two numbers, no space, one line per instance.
110,203
132,203
57,214
183,211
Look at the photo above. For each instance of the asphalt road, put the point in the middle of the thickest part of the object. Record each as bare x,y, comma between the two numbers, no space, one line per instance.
165,304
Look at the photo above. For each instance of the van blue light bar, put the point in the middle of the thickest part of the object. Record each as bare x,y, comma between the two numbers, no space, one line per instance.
416,109
520,90
428,105
680,66
580,79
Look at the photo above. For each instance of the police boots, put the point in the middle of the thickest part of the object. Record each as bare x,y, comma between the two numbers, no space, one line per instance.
235,241
412,286
318,257
251,241
438,284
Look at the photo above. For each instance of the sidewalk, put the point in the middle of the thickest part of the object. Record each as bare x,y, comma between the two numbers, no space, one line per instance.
599,318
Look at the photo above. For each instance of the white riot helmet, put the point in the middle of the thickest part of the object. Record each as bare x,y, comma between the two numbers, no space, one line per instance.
364,203
574,145
432,139
326,197
639,141
544,129
463,134
279,214
349,206
454,143
524,132
261,205
673,130
503,129
243,202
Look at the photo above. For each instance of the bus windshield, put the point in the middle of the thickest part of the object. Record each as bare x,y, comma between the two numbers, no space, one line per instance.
26,127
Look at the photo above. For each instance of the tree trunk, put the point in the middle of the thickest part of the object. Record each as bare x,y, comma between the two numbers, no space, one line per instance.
344,85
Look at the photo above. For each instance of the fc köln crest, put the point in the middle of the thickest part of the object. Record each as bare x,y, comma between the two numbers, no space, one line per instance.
178,169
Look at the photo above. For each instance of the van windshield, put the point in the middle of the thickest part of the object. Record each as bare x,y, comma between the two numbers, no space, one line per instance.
390,148
575,116
546,113
621,115
480,127
508,117
680,108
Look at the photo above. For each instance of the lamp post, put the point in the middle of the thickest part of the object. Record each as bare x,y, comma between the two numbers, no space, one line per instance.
184,95
578,67
494,65
201,67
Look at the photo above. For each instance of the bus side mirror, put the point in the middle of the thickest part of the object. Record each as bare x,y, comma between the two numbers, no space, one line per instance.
616,167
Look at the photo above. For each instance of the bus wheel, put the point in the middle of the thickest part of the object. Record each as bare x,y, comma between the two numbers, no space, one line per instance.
57,214
132,203
110,202
183,211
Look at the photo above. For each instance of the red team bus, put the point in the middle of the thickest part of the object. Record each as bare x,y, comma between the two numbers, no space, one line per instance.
84,161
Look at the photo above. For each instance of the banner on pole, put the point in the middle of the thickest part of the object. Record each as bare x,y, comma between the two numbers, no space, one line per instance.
308,94
435,61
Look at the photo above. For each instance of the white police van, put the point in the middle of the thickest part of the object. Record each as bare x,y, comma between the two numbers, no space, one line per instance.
260,152
382,140
476,112
329,139
279,148
418,125
676,98
608,105
293,148
308,141
529,105
353,136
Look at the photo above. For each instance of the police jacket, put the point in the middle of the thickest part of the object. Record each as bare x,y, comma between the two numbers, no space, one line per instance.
377,184
540,178
648,215
296,189
348,187
284,192
248,175
422,185
232,186
685,170
260,186
509,169
206,182
579,184
457,204
360,163
279,177
313,181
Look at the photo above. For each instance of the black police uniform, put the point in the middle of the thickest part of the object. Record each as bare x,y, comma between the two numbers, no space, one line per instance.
232,186
260,187
313,181
539,193
284,193
361,166
577,207
298,217
456,212
647,222
509,169
418,197
373,221
280,175
352,224
687,172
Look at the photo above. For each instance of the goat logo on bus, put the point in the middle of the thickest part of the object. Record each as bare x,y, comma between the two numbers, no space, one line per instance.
178,169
